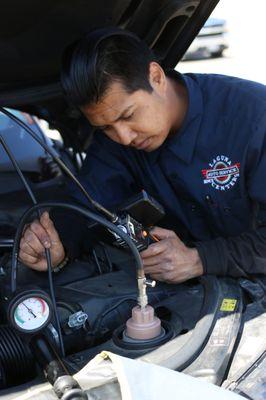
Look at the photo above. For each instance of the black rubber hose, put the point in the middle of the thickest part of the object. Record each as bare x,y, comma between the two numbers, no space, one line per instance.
18,170
99,207
89,214
204,325
178,359
47,251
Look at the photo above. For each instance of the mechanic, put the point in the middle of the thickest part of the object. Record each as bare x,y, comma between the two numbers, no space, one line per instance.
195,142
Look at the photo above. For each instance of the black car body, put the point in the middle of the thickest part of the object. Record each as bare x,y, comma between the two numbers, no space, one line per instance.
208,323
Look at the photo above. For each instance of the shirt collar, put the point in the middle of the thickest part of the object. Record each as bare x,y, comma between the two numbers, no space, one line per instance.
183,142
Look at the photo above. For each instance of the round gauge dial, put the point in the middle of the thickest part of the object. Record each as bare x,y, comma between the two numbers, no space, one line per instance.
30,312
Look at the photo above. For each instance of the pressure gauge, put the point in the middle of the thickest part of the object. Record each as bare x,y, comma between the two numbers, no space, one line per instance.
30,311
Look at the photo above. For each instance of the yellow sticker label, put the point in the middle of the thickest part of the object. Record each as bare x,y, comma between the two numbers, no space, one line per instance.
228,305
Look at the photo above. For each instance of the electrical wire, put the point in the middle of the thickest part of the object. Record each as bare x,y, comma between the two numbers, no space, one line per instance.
47,251
106,254
86,213
98,321
52,294
97,262
111,216
18,170
67,306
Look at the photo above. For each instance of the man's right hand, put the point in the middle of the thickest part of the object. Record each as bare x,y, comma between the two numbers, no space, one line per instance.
38,236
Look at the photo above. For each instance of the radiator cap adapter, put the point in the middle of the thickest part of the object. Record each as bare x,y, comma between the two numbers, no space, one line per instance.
143,325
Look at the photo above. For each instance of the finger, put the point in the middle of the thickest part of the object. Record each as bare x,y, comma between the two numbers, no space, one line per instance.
157,277
154,249
40,232
33,263
25,228
26,248
48,225
162,233
33,240
164,276
154,260
27,259
153,269
165,268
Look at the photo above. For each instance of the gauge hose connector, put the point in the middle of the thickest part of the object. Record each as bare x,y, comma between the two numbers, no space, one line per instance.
142,287
67,388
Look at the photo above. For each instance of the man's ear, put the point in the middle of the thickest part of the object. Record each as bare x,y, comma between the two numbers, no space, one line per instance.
157,77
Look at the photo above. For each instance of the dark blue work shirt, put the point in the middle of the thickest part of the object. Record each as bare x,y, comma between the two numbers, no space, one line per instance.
209,176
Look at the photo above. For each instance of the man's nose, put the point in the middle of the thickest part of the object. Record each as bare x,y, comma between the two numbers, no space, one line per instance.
125,135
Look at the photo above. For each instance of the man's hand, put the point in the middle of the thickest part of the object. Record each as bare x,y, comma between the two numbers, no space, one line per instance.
38,236
169,259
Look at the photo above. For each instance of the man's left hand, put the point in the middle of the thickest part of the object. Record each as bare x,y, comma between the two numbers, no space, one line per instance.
169,260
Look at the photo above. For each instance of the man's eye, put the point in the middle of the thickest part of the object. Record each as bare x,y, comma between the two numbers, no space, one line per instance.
103,128
128,116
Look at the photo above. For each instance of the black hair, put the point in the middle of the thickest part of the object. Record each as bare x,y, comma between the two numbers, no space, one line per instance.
100,58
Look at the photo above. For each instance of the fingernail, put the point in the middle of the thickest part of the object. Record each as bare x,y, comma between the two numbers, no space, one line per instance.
45,215
47,244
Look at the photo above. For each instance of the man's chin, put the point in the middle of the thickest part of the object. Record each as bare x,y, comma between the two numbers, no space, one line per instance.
152,147
149,145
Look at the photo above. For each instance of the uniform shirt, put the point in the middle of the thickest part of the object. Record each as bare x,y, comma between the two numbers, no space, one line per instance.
210,175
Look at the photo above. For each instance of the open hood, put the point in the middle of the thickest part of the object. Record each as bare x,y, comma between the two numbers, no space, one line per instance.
33,35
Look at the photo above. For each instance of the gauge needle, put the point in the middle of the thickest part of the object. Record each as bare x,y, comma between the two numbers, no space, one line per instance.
30,310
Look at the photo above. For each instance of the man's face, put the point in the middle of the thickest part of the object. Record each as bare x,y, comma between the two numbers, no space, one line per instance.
140,119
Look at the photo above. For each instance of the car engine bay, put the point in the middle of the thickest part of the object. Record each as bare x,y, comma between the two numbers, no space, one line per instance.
69,317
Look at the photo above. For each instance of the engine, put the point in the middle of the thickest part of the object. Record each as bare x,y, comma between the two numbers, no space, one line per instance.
94,300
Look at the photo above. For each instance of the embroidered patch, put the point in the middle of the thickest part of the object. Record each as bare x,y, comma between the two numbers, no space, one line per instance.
222,174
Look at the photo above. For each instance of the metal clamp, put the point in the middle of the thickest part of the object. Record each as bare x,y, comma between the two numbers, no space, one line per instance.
77,320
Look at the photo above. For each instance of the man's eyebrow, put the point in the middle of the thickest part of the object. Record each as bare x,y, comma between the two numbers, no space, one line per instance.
124,112
117,119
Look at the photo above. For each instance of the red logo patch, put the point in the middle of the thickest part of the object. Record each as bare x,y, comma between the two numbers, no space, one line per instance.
223,174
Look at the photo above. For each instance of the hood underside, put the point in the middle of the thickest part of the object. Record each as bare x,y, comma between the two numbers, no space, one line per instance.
33,35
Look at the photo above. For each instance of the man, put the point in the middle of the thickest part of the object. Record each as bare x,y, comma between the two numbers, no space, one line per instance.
194,142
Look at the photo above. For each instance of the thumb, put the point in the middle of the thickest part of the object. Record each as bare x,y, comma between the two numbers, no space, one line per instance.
48,225
161,233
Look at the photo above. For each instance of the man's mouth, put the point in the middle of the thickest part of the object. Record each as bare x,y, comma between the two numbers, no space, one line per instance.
143,145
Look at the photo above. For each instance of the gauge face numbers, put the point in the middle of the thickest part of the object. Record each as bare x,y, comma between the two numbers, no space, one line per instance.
31,314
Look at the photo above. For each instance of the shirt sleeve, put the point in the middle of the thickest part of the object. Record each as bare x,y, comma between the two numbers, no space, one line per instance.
237,256
244,254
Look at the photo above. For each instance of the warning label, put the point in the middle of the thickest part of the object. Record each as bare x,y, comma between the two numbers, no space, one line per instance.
228,305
